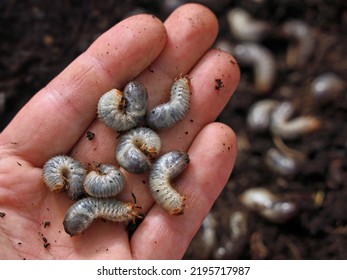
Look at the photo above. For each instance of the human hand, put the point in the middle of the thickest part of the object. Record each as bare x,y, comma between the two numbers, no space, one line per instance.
56,119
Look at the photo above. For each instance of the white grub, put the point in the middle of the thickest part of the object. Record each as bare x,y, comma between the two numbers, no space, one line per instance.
65,173
285,128
327,87
231,248
106,181
246,28
259,115
302,48
163,171
208,235
168,114
205,240
282,163
238,222
262,61
268,205
123,110
83,212
137,148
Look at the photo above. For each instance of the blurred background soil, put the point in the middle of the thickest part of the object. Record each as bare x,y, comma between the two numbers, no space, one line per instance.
40,38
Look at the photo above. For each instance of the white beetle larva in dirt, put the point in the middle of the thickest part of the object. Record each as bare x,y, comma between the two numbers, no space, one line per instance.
83,212
282,126
299,51
232,246
327,87
106,181
262,61
137,148
165,169
63,172
268,205
168,114
246,28
205,239
123,110
259,115
282,163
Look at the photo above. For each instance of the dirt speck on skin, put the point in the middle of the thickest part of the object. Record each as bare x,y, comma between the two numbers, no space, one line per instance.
90,135
318,231
219,84
46,224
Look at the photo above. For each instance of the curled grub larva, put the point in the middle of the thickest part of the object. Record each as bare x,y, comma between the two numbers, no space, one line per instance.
261,60
168,114
106,181
136,149
165,169
259,115
283,163
82,213
63,172
300,51
290,129
327,87
123,110
270,206
246,28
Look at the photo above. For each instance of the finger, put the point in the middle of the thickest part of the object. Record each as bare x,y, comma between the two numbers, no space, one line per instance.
191,30
212,156
57,115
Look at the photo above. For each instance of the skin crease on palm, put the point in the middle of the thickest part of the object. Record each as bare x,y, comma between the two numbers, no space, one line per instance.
56,119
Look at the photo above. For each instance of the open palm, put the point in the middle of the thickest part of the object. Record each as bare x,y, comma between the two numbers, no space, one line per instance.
58,117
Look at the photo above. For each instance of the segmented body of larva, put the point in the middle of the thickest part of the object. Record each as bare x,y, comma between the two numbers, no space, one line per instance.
246,28
259,115
165,169
261,60
268,205
231,248
168,114
300,51
82,213
290,129
63,172
137,148
106,181
281,163
123,110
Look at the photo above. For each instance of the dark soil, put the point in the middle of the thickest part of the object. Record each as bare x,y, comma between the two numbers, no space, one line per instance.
40,38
